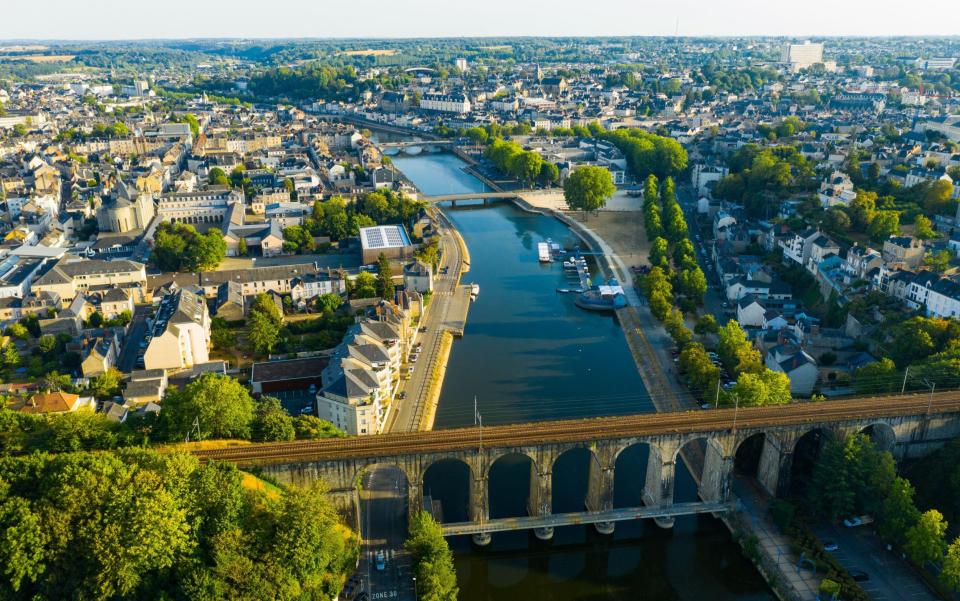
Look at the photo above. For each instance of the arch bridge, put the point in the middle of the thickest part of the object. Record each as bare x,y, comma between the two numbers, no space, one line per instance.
908,425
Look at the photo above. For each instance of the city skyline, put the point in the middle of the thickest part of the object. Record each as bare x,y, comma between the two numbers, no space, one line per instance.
66,20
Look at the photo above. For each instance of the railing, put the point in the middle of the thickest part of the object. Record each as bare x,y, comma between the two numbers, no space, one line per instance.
586,517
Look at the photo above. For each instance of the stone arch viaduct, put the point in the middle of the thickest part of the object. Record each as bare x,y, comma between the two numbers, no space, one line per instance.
907,425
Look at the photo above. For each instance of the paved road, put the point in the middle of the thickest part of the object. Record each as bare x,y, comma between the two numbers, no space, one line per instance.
405,415
714,299
383,523
138,329
890,578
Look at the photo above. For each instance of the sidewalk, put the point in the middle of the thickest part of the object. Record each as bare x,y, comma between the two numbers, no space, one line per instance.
777,558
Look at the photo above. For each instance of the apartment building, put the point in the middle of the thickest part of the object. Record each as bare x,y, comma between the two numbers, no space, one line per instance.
181,332
71,275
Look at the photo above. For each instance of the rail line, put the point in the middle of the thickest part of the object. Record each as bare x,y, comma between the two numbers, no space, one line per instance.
590,429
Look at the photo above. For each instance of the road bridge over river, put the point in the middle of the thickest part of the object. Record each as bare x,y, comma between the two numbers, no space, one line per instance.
908,425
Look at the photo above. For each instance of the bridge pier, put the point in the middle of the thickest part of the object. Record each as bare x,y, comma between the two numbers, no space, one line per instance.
658,488
540,501
776,460
600,486
717,468
479,505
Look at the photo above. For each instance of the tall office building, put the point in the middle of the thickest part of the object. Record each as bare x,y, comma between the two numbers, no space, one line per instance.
801,56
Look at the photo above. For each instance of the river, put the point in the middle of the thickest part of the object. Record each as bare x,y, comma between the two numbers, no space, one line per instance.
528,353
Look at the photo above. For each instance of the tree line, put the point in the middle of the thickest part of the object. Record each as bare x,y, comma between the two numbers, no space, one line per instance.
136,524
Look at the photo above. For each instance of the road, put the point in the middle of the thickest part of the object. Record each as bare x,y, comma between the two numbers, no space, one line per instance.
714,299
405,416
383,524
135,333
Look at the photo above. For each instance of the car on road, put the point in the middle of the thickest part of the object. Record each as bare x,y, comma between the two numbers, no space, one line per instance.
307,409
859,575
381,561
829,545
423,329
858,520
705,405
402,395
414,357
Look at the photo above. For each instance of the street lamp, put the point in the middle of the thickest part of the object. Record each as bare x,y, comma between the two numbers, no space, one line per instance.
415,594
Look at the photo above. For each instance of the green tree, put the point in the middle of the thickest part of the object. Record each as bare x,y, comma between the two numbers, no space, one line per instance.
588,188
364,285
939,261
242,247
18,330
262,332
925,539
950,574
736,351
702,374
883,225
263,303
923,228
271,422
899,513
525,166
329,302
309,427
106,384
384,277
432,559
659,253
218,177
706,325
221,406
549,174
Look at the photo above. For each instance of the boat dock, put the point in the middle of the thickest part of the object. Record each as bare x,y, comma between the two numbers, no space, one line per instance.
456,319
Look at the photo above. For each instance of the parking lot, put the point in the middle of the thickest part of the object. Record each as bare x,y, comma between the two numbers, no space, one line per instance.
889,577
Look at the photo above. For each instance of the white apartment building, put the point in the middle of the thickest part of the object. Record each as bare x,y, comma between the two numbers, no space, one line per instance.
181,333
801,56
360,377
445,103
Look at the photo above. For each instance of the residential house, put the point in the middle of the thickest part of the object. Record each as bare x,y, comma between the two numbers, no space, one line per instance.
181,332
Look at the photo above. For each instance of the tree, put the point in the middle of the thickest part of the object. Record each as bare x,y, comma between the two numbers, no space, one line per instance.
364,285
549,174
11,356
309,427
221,336
706,325
271,422
18,330
925,540
899,513
700,371
950,574
883,225
862,208
736,351
106,384
588,188
329,302
432,558
221,406
263,332
242,247
263,303
659,252
384,277
923,228
937,196
938,261
218,177
525,166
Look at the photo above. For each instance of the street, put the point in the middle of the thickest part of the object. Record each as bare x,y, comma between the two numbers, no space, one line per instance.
383,524
127,360
406,412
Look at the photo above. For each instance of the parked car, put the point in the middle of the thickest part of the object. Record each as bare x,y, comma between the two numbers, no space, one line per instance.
831,546
858,520
859,575
381,561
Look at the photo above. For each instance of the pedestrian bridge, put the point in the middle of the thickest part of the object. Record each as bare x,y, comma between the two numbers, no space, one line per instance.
600,518
485,196
908,425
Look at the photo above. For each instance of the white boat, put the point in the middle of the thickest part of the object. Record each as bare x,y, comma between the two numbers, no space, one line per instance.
474,291
543,250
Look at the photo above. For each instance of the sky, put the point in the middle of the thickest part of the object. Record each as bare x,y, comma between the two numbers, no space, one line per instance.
148,19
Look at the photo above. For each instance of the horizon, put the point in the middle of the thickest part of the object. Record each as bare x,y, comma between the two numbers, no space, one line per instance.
68,21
